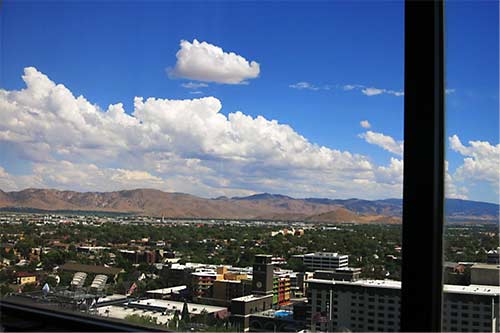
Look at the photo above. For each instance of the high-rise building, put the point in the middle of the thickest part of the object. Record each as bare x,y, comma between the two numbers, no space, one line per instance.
374,305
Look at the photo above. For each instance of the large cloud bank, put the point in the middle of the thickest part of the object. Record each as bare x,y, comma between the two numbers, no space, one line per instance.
176,145
185,146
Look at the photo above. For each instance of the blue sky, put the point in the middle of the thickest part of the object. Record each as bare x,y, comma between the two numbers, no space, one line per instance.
112,52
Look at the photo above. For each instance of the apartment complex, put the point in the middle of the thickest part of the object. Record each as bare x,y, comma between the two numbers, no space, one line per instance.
374,305
325,261
281,290
202,282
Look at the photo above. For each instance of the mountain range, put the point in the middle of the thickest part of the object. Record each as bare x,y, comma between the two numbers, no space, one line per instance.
259,206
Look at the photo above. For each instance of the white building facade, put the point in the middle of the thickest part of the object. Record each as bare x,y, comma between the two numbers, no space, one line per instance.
374,305
325,261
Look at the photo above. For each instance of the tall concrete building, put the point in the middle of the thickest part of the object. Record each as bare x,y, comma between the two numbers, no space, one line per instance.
374,305
325,261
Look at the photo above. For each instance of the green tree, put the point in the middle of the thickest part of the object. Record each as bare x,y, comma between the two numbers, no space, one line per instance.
185,313
296,264
142,320
29,287
5,289
65,277
50,280
24,246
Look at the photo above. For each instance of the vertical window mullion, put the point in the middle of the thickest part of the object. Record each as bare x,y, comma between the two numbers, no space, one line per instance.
423,183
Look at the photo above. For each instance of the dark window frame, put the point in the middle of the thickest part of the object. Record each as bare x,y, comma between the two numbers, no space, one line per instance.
423,181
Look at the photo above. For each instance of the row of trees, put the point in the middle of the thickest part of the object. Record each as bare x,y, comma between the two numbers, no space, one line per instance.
370,247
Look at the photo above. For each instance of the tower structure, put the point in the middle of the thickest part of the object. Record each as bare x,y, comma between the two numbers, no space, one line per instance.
262,281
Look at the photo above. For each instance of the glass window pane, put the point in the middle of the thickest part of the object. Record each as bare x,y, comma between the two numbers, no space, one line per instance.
192,165
471,252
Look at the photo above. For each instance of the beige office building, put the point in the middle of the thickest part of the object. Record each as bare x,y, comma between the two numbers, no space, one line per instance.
374,305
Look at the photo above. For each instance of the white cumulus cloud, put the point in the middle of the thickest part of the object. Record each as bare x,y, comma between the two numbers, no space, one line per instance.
81,177
365,124
190,146
452,190
202,61
481,162
177,145
384,141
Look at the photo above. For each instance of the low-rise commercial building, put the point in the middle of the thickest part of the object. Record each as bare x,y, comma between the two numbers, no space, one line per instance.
25,278
165,292
111,272
243,307
176,275
167,306
225,290
487,274
161,310
325,261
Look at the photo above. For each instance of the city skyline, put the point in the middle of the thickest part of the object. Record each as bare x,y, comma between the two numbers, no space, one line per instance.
202,99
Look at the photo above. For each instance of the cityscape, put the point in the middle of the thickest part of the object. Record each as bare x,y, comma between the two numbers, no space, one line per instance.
237,166
237,275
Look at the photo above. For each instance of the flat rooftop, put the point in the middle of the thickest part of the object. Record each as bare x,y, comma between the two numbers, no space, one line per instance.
228,281
473,289
109,298
205,273
193,308
325,254
166,291
120,312
487,266
250,298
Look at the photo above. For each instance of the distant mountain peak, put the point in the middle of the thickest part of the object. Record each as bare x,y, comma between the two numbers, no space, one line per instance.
263,196
261,205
